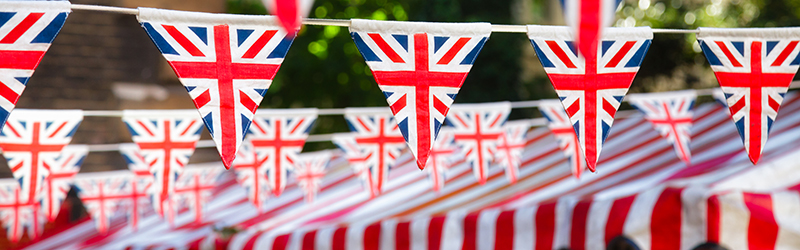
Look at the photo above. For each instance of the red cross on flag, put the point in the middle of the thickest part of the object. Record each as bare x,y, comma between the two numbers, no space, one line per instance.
588,19
226,62
478,128
443,153
558,123
419,67
591,88
106,195
32,141
357,158
18,213
193,188
671,115
510,145
58,183
309,169
141,185
754,68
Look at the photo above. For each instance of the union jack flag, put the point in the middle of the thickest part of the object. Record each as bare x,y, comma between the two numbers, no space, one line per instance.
194,187
32,140
17,212
141,185
719,97
419,67
588,19
251,174
443,154
26,31
58,183
754,68
671,115
559,124
478,128
226,62
510,145
591,90
380,141
277,137
357,157
106,195
309,168
166,140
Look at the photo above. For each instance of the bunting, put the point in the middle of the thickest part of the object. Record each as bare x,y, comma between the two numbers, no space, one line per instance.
419,67
588,19
559,124
309,168
141,185
289,12
477,129
591,90
58,183
32,141
442,155
509,148
194,187
251,174
719,97
671,115
166,140
27,28
17,213
226,62
106,195
357,157
754,68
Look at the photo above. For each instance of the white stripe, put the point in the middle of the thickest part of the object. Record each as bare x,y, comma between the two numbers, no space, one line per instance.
324,239
524,232
487,222
419,233
453,230
596,224
296,240
354,237
734,220
693,217
388,234
637,224
563,228
786,208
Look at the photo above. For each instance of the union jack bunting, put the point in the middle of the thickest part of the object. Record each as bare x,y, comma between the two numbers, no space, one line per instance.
591,90
32,140
380,141
18,213
141,185
277,137
26,31
166,140
671,115
509,148
226,62
588,19
477,129
754,68
719,97
309,168
251,174
106,195
558,123
194,186
58,183
289,12
443,153
357,157
419,67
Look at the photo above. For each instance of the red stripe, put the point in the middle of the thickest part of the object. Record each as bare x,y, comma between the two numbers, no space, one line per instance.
755,115
545,226
402,236
579,216
453,51
386,48
785,53
728,54
372,237
259,44
248,103
560,54
339,237
762,232
622,52
309,240
183,41
665,222
21,28
400,104
589,27
8,94
28,60
145,127
470,231
504,231
713,219
617,216
227,112
252,241
435,233
202,99
280,242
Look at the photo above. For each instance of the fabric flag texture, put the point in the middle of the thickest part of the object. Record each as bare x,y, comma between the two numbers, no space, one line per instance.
588,19
559,124
419,67
226,62
754,68
58,183
309,169
477,130
277,136
443,154
194,186
166,140
106,195
27,28
251,174
378,139
289,12
671,115
357,158
32,141
591,90
509,148
18,213
141,185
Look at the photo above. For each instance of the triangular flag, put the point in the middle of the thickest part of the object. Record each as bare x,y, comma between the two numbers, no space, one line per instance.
671,115
251,173
357,158
591,90
166,140
510,145
58,183
141,184
289,12
588,19
478,128
559,124
194,187
442,155
226,62
27,28
32,141
309,169
754,68
419,67
104,194
19,213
